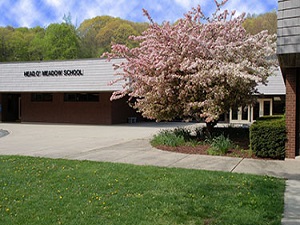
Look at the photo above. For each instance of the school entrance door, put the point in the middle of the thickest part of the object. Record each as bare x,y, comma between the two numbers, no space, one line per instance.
11,107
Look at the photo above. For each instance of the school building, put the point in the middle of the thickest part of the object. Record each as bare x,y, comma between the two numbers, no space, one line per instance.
71,91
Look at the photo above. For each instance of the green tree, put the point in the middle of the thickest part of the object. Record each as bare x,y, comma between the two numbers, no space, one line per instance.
15,43
122,34
255,24
106,34
117,31
36,46
19,42
61,42
64,41
5,49
98,33
87,32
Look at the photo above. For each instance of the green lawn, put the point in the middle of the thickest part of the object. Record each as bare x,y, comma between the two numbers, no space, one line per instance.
48,191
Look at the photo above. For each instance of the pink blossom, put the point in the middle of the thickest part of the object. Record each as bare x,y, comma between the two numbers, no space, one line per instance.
196,68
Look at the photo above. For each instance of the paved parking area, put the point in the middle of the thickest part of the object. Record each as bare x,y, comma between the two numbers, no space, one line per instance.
127,143
66,140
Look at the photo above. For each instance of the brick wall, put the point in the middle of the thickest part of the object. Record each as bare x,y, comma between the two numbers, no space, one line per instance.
121,111
59,111
291,112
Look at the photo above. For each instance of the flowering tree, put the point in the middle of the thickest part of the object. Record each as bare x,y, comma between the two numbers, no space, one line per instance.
196,68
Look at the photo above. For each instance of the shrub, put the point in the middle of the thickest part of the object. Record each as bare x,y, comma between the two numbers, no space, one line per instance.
268,137
220,145
176,137
200,133
168,138
183,132
231,132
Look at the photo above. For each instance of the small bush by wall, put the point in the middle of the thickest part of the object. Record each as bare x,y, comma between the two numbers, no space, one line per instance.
220,145
268,137
168,138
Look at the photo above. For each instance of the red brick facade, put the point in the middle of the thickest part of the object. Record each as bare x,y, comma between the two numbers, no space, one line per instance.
290,67
291,113
103,111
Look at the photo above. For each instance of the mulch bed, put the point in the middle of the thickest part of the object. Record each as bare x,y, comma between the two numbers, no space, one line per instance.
242,141
202,150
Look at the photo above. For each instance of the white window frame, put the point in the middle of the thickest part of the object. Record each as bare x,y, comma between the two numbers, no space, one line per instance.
261,106
240,112
250,112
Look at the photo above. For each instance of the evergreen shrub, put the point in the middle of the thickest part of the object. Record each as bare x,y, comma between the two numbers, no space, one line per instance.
268,137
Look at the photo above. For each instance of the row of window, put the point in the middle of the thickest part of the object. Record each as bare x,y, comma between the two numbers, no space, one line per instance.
248,114
264,107
68,97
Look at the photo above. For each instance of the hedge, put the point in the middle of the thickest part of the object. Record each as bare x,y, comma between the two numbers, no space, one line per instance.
268,137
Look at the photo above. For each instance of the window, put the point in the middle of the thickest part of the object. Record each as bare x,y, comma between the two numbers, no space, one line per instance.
278,106
241,114
256,111
267,108
41,97
235,113
81,97
245,112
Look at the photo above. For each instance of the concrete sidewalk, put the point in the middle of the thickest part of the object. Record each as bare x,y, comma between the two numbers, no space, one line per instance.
130,144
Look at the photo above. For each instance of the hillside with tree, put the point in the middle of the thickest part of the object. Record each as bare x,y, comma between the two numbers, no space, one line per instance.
257,23
64,41
97,34
90,39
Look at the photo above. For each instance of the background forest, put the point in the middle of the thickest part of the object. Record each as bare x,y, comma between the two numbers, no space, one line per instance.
90,39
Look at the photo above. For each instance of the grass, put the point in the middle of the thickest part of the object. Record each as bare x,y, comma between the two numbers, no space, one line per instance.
54,191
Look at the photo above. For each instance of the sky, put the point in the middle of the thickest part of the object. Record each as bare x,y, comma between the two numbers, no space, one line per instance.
32,13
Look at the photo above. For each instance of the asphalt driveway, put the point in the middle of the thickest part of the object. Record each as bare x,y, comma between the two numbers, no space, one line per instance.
60,140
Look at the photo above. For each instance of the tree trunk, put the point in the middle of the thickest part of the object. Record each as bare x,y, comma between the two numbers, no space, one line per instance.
210,127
